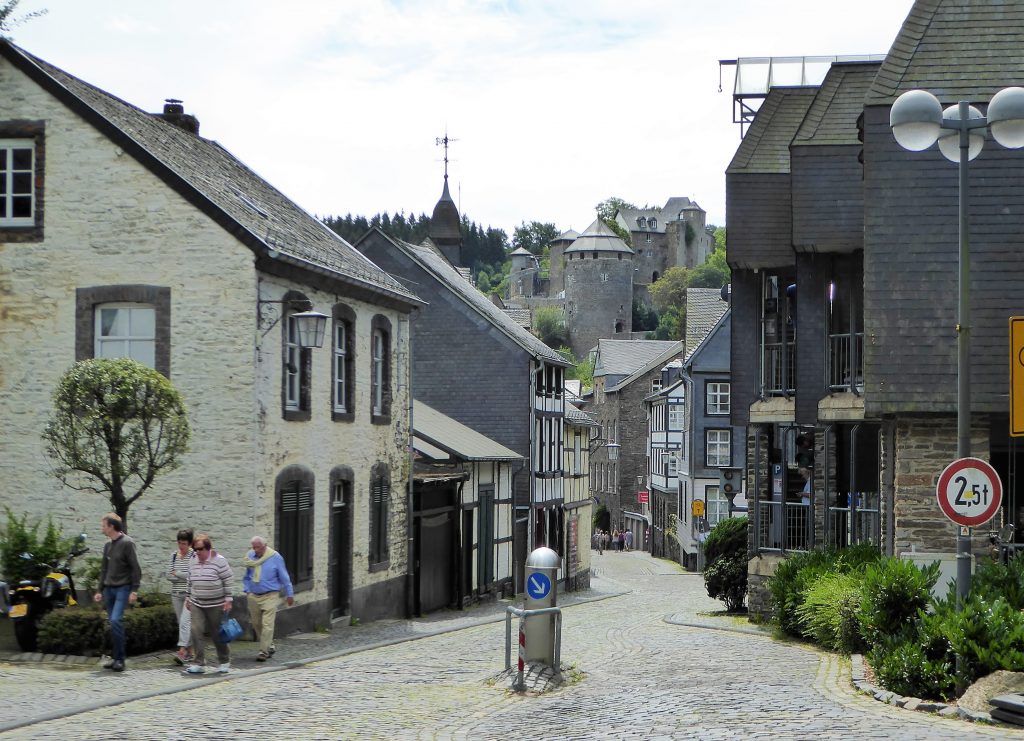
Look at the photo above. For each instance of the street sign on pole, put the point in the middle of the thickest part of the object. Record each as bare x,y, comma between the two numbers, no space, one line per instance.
969,492
1017,376
697,508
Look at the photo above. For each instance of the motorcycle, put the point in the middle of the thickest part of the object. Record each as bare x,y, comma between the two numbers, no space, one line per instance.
27,602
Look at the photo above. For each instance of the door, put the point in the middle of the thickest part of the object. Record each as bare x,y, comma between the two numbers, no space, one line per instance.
435,570
340,558
485,539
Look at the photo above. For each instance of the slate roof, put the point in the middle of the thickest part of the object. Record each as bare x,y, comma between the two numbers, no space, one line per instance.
436,265
832,117
519,316
669,212
765,148
566,236
456,438
723,321
215,181
704,309
520,251
622,357
674,351
576,416
598,237
956,50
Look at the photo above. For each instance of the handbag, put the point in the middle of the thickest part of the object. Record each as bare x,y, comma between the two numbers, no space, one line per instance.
230,630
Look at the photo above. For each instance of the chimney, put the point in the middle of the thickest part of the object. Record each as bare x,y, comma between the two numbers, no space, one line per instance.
174,113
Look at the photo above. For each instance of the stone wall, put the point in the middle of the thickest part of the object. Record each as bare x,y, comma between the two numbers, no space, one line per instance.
598,295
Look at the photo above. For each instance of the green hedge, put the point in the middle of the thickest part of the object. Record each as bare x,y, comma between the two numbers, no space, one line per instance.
150,626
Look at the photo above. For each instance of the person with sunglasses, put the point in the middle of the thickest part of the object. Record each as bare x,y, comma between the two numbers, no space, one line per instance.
209,601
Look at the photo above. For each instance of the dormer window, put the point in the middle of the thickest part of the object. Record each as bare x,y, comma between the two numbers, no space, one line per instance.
641,222
653,223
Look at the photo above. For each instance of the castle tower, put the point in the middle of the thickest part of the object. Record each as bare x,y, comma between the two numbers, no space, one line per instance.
598,288
556,273
525,270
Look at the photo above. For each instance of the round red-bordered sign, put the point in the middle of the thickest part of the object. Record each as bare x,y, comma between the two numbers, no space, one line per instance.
969,492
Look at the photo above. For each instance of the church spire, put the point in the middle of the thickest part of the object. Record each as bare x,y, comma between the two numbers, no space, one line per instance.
444,223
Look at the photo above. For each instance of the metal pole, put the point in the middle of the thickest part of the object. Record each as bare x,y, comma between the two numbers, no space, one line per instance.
963,397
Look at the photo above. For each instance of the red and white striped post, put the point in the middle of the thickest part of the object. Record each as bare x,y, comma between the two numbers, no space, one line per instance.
522,651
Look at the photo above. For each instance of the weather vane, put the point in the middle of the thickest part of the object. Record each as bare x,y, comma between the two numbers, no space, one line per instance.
445,140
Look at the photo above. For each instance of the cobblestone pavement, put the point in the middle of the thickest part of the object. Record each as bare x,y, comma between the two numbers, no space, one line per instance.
637,675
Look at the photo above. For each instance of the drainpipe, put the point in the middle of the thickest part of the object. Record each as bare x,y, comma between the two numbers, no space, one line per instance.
757,489
531,535
410,539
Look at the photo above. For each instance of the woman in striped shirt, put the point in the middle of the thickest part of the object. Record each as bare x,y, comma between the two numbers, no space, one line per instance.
178,575
209,600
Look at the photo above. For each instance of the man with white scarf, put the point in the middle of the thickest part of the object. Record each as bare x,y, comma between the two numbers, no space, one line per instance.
265,576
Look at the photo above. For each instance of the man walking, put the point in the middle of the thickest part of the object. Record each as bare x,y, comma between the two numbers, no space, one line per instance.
265,576
120,576
209,599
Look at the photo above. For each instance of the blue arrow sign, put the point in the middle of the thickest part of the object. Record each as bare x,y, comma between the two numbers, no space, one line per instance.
538,586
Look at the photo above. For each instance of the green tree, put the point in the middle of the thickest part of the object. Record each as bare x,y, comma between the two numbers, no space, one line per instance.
118,422
670,289
549,326
534,236
606,212
671,324
714,273
7,20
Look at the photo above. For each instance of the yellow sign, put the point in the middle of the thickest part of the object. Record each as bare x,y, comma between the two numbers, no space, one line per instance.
697,508
1017,376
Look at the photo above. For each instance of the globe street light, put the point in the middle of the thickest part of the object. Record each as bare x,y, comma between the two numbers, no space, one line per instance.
917,122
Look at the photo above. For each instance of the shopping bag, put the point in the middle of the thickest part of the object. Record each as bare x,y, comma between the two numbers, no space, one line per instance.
230,630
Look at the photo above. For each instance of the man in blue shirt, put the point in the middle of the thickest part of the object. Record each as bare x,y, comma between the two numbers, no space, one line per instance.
265,577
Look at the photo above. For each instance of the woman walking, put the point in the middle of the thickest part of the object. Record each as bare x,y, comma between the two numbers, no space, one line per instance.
209,600
178,575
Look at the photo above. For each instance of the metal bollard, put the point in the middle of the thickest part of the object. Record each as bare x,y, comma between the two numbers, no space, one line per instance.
524,615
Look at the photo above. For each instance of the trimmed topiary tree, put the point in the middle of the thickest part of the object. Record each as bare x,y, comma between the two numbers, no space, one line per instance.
725,570
118,422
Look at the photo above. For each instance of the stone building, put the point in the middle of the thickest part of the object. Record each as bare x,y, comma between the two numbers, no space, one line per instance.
672,236
134,235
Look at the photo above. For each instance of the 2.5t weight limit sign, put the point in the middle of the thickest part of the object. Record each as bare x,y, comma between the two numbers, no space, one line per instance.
969,492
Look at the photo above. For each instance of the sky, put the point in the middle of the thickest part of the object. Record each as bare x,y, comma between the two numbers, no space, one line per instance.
553,106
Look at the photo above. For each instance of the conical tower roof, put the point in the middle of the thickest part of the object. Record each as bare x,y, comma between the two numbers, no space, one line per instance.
444,223
598,237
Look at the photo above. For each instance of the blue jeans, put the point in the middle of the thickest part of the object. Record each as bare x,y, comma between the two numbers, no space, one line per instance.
115,599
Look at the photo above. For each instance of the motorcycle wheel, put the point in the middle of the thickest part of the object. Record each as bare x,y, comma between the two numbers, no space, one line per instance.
26,632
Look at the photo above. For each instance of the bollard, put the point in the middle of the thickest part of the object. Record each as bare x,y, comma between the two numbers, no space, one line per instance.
541,580
545,614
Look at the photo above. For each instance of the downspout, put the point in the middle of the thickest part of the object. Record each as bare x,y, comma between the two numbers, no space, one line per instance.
531,534
889,487
853,344
757,490
410,540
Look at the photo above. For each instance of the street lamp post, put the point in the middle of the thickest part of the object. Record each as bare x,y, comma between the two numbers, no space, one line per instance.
917,122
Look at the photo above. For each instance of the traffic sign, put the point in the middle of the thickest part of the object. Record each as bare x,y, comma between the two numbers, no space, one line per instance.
697,508
1016,376
538,585
969,492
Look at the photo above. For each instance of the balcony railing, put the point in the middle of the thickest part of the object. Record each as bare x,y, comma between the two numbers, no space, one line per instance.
779,378
860,521
846,362
784,526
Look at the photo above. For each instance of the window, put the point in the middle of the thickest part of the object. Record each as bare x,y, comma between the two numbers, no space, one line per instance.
294,536
717,508
131,321
343,364
17,181
649,238
718,444
641,222
380,501
676,418
296,361
126,331
718,398
380,371
656,384
673,465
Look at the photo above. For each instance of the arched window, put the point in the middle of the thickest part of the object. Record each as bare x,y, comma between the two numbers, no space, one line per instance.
618,327
296,361
380,371
293,490
343,376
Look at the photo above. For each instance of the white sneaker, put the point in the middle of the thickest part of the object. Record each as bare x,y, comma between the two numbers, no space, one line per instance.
224,668
195,669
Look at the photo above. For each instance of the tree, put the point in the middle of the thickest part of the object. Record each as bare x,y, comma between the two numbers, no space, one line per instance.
534,236
118,422
7,20
714,273
671,324
549,326
670,289
606,212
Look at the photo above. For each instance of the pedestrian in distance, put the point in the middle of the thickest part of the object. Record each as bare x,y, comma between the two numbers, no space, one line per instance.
629,539
178,574
615,540
209,601
599,539
265,576
622,540
120,576
604,540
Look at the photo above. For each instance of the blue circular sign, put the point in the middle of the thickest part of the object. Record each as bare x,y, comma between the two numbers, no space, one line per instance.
538,585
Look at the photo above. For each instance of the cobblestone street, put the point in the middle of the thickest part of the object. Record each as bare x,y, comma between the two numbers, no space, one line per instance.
641,675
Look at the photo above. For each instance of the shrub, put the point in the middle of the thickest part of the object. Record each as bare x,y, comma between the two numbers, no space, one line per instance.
787,585
828,613
19,537
85,631
995,580
903,666
895,591
725,572
987,635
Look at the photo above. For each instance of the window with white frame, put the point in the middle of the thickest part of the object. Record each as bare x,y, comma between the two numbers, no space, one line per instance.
656,384
380,370
718,448
673,465
17,178
718,398
343,375
341,333
292,365
676,417
717,505
126,331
